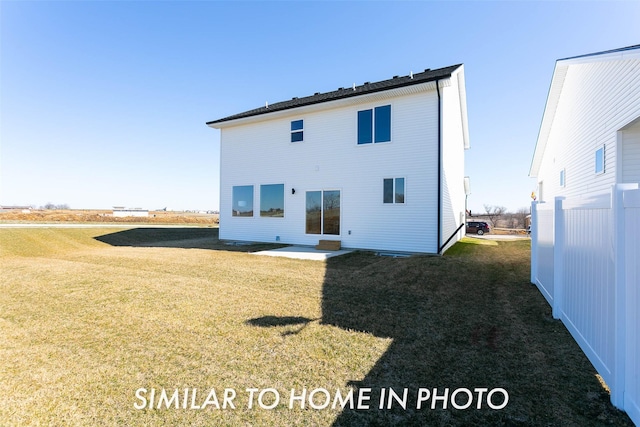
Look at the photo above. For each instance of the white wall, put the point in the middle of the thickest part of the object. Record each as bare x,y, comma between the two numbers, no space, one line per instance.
630,153
330,158
453,146
597,100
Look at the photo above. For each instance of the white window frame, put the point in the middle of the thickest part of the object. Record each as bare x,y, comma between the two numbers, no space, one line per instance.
604,160
322,190
373,125
284,205
253,201
296,131
393,179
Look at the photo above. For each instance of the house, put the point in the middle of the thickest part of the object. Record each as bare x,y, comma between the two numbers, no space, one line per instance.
586,225
378,166
590,133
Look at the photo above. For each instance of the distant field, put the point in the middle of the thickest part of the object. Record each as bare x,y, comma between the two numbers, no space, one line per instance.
93,319
87,216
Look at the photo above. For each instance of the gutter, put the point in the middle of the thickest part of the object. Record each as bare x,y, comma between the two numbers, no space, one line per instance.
439,213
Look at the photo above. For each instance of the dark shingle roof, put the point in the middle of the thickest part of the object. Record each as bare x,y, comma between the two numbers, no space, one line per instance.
348,92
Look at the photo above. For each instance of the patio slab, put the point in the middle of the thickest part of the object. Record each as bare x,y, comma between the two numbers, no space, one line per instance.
303,252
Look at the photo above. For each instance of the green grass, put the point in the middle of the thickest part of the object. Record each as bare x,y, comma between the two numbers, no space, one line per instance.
88,316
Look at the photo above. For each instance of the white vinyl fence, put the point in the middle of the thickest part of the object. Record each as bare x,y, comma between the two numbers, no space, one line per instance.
585,260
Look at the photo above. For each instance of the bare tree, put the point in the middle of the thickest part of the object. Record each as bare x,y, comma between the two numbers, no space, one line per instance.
520,217
50,205
494,213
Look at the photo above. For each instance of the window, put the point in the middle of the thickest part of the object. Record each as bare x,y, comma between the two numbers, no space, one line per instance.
374,125
323,212
242,200
562,178
272,200
297,130
600,160
393,190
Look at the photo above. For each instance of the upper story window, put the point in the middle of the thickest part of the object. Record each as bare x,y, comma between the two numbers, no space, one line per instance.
374,125
297,130
393,190
562,177
600,160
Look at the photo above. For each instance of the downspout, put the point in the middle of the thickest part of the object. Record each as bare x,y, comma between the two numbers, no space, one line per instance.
439,215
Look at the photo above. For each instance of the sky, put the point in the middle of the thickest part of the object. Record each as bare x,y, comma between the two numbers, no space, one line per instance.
104,103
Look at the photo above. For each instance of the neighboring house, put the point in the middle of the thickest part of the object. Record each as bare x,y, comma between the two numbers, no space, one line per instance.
378,166
586,227
590,133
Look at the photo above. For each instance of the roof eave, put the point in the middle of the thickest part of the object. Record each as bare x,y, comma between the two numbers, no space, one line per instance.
340,102
358,91
553,96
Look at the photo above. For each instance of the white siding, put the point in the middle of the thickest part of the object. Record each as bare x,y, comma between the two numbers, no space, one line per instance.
597,100
329,158
630,154
453,195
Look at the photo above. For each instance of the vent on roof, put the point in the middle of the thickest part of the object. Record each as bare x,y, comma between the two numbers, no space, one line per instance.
395,77
340,88
367,83
317,93
427,70
294,98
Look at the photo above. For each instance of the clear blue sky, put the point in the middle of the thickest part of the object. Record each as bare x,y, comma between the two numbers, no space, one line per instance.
105,103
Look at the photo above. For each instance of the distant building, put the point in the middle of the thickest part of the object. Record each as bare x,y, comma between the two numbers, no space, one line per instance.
121,212
23,209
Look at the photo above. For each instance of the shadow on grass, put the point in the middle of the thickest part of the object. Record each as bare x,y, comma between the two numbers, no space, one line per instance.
282,321
469,320
179,237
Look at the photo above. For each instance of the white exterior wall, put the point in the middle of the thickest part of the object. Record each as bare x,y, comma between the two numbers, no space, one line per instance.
453,147
630,154
329,158
597,98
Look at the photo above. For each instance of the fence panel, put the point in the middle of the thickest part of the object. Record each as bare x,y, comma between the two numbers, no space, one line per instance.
588,276
543,232
632,277
585,259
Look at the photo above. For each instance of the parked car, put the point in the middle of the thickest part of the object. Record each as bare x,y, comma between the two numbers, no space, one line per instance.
478,227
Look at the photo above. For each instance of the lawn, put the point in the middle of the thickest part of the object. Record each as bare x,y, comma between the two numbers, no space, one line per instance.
93,320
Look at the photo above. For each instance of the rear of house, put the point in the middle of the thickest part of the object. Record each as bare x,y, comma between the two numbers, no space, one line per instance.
585,242
378,166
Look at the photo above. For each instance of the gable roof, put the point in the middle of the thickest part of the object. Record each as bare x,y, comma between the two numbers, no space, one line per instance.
366,88
555,90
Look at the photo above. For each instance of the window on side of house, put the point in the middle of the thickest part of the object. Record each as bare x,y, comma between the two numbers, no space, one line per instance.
599,160
242,200
393,190
297,131
272,200
374,125
562,177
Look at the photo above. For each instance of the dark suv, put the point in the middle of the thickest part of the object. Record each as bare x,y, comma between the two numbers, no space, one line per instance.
478,227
